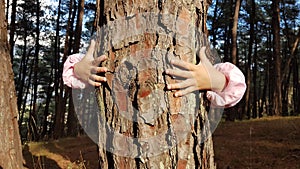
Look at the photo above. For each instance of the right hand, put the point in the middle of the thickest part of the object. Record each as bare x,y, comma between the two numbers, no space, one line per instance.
88,68
203,76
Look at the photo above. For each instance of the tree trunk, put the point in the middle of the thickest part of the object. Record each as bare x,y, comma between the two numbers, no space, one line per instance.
141,125
270,81
10,146
79,22
12,27
254,100
33,114
23,70
58,127
234,52
292,60
277,95
249,62
214,22
296,88
72,122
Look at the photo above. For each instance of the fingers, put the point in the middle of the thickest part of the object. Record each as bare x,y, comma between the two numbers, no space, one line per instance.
93,83
183,64
185,87
98,60
185,91
178,73
95,70
183,84
96,80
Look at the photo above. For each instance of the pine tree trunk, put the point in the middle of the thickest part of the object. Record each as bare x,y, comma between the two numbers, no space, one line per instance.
249,61
277,95
72,122
10,145
141,125
234,49
12,28
58,126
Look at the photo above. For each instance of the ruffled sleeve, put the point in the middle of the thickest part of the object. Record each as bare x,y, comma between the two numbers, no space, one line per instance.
68,75
234,90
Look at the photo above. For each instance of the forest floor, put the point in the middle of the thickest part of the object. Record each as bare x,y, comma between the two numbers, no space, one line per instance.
267,143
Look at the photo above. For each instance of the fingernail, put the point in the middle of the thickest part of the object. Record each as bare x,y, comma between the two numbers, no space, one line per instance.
168,86
104,79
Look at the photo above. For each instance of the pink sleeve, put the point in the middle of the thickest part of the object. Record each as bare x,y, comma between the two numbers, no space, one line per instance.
68,75
234,90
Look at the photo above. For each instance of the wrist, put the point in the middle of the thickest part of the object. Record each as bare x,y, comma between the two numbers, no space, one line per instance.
75,71
219,82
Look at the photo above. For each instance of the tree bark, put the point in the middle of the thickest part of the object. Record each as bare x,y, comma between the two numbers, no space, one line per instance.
277,95
296,87
10,146
249,61
78,30
33,113
58,127
72,122
141,125
12,27
234,52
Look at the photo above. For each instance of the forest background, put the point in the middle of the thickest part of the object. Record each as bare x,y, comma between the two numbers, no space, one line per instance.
42,34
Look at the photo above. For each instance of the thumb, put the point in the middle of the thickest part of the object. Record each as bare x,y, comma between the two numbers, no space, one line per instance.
203,57
91,48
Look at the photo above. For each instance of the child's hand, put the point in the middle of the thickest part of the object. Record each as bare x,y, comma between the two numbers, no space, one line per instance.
87,69
196,77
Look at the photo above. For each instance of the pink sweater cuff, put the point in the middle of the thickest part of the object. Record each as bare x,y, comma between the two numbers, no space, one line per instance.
68,75
234,90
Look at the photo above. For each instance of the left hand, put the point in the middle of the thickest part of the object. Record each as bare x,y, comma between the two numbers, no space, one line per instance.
196,77
87,68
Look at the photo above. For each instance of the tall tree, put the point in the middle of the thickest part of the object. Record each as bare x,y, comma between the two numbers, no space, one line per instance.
249,62
12,27
59,112
141,125
296,83
72,122
78,30
234,53
33,114
277,95
10,146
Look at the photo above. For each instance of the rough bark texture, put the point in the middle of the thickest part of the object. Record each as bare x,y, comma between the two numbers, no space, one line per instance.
142,125
10,145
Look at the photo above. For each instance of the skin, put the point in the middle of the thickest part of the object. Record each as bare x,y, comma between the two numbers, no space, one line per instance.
195,77
88,68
